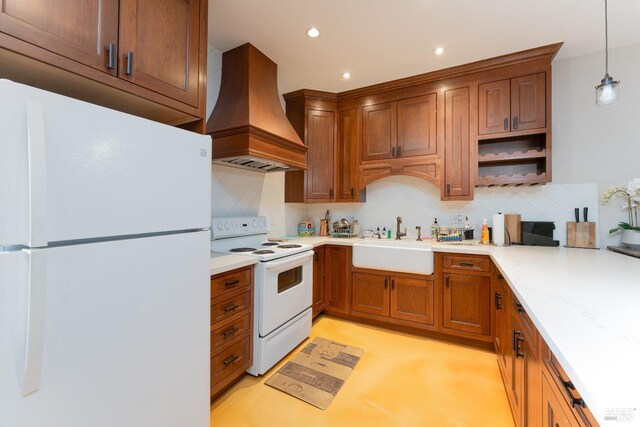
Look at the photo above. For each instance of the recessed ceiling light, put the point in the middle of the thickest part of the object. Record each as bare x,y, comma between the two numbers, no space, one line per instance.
346,75
439,51
313,32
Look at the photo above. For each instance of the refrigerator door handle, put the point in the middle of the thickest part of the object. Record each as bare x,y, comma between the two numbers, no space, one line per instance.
36,303
37,176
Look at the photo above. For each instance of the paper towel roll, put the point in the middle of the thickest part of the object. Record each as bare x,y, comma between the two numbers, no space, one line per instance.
498,229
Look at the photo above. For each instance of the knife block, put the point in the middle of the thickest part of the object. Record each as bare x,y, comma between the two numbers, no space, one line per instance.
581,234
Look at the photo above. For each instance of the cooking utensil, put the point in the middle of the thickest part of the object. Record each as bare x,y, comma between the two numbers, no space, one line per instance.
585,213
341,224
577,213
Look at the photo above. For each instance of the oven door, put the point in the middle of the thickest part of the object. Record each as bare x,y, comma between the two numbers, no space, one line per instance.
284,289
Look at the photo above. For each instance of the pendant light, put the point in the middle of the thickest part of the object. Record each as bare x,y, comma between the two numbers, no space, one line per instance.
607,90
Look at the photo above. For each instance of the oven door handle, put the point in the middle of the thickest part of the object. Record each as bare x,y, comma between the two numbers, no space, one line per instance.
289,260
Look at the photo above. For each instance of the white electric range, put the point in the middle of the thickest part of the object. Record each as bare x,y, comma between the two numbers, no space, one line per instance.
283,283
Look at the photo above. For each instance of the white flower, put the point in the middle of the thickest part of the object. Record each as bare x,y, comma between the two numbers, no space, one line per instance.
633,187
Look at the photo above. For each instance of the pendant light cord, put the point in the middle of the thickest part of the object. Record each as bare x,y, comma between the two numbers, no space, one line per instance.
606,40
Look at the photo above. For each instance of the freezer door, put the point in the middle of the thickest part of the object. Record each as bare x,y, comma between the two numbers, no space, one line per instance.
70,170
106,334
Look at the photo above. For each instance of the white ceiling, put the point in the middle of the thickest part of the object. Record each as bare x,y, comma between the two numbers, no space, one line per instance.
381,40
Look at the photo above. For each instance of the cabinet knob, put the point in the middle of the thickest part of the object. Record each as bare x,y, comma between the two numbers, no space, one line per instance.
129,68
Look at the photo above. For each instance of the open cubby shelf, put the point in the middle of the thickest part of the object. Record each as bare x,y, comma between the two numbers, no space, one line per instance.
512,160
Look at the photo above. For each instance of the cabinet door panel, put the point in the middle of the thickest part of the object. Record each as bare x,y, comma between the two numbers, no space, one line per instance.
494,103
347,158
321,142
412,299
553,412
379,131
318,281
337,264
162,36
370,293
457,143
80,30
417,126
467,305
528,110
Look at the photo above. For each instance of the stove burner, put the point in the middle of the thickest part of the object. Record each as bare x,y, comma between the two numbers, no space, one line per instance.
291,246
264,252
242,250
270,244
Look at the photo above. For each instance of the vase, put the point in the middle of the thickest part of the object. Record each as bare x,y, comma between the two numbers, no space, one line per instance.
631,239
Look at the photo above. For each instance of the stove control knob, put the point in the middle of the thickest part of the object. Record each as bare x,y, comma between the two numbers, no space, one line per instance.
255,223
219,226
264,223
226,226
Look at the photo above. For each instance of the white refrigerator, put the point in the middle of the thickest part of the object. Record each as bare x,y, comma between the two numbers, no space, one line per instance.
104,266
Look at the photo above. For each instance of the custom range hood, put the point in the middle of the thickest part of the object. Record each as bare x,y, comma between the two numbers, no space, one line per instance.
248,126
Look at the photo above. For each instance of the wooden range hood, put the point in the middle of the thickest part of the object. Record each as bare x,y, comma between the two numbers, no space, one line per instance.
248,126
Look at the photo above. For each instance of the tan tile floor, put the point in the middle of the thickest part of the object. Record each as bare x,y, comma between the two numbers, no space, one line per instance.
402,380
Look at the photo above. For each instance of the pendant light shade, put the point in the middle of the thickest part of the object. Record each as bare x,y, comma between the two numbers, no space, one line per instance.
607,92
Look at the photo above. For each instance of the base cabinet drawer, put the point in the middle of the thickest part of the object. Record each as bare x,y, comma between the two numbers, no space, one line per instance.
223,335
228,282
230,306
554,413
480,264
226,362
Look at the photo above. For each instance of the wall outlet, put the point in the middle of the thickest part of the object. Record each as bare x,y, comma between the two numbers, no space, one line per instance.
457,218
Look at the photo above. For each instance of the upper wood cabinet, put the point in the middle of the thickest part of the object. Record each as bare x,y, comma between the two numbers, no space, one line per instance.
145,57
347,158
332,141
512,104
457,145
399,129
80,30
379,131
159,46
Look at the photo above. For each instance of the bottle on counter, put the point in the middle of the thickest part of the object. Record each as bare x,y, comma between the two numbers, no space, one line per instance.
434,230
485,232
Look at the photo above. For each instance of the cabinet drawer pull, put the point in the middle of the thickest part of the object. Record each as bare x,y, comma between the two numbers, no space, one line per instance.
399,151
467,264
386,282
448,188
129,68
232,307
498,301
519,339
393,151
228,361
506,123
230,332
519,307
515,122
353,193
231,283
446,281
393,284
331,193
111,56
500,277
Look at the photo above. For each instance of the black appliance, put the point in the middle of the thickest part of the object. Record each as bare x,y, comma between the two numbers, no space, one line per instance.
538,233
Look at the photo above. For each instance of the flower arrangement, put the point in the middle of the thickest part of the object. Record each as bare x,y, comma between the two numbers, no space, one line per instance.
631,195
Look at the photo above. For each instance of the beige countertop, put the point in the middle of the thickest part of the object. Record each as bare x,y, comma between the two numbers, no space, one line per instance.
221,263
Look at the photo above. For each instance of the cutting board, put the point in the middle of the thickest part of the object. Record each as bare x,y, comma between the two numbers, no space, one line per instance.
581,234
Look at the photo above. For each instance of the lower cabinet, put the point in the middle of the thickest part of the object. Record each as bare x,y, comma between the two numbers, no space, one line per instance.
466,295
318,281
394,296
337,278
553,408
231,350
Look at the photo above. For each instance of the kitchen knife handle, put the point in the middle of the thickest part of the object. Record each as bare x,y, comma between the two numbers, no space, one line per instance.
585,213
577,213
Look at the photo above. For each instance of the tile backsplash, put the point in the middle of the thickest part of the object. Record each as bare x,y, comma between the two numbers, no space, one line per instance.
418,203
